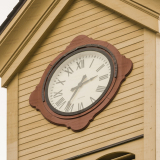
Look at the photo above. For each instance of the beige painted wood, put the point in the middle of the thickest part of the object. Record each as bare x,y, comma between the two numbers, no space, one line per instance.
153,5
17,38
149,95
33,41
135,147
103,115
70,154
14,21
132,12
92,144
122,119
49,129
157,96
75,138
128,108
12,120
36,75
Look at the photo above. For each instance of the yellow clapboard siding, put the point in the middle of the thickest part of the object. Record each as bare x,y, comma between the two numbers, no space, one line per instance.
79,4
50,58
66,24
111,19
33,70
51,133
79,17
123,118
131,47
40,68
78,10
37,119
129,92
77,21
41,121
132,85
129,42
121,31
26,97
126,37
28,115
116,31
101,129
24,104
100,138
132,79
106,38
98,145
133,53
128,81
37,133
26,110
136,71
39,74
32,88
133,73
35,82
122,89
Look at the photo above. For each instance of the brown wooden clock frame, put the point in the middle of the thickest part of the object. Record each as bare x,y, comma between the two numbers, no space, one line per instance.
80,120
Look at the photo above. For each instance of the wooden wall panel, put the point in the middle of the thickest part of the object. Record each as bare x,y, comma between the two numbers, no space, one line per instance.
122,119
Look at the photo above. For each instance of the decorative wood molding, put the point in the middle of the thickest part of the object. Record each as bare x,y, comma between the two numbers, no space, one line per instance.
15,20
142,8
133,11
28,37
34,39
80,121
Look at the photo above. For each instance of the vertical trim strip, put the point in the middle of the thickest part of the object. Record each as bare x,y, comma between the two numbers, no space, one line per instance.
149,95
157,96
12,119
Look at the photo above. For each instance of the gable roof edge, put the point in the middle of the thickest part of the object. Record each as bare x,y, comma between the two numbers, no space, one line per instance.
34,40
135,12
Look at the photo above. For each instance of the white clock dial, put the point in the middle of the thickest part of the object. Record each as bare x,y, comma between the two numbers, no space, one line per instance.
79,81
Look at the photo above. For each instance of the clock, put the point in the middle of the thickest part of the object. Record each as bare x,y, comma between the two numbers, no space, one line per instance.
81,82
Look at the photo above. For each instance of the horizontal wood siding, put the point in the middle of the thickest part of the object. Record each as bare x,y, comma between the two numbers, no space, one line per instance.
122,119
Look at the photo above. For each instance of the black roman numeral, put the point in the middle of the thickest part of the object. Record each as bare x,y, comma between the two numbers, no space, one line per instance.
57,94
91,63
60,102
68,70
100,68
103,77
80,64
80,106
92,99
61,82
69,107
100,88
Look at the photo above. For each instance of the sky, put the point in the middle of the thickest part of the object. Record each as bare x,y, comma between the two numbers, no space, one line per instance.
6,7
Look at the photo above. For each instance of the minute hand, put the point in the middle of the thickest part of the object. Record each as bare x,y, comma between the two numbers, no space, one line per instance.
72,89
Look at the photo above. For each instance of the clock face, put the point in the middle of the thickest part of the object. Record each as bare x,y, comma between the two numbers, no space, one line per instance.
79,81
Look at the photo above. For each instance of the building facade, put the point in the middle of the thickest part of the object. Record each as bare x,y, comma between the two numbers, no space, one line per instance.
129,127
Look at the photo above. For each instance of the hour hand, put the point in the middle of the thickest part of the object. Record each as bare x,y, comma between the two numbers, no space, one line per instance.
72,89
